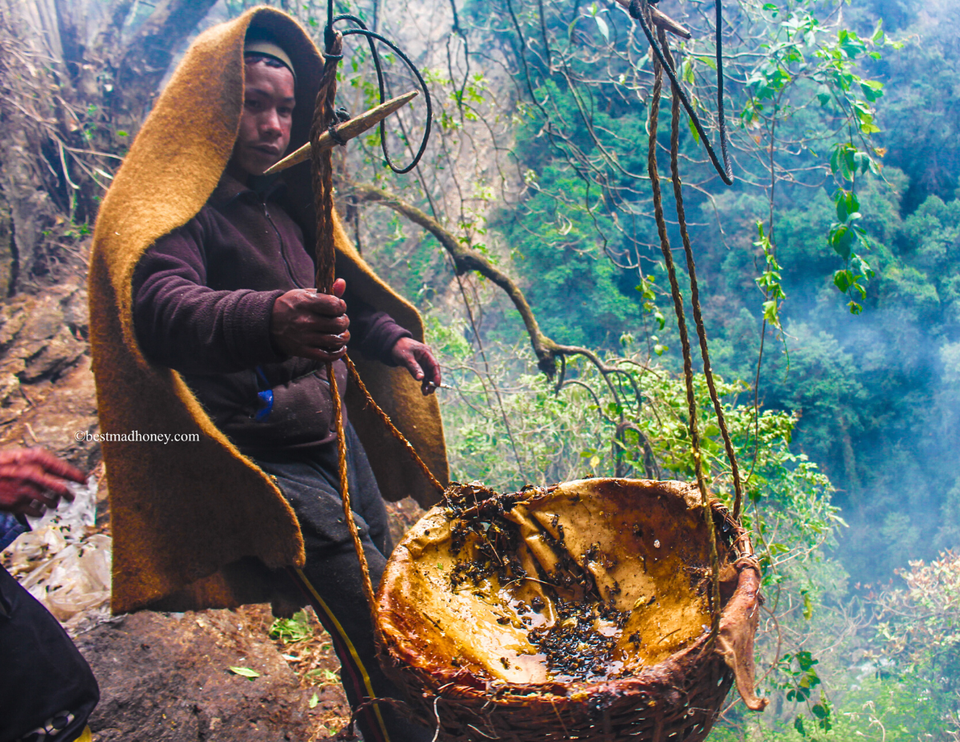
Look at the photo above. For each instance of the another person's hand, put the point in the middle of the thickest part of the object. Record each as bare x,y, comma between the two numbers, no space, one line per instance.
33,479
419,361
311,325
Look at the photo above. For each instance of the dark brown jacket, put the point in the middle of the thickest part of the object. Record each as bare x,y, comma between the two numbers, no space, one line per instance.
203,297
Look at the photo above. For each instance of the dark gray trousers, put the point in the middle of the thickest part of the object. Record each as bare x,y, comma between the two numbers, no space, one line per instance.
331,577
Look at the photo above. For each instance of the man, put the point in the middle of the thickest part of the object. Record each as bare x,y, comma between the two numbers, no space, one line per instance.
219,290
47,690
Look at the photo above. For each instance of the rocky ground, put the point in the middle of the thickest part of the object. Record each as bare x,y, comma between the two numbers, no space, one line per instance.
168,677
216,676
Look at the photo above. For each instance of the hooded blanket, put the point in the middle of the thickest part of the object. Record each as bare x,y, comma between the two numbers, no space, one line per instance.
193,520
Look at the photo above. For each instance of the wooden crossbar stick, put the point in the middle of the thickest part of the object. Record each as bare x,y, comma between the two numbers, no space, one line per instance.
663,21
347,130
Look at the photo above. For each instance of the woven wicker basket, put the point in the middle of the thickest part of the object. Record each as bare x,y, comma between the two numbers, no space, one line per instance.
456,647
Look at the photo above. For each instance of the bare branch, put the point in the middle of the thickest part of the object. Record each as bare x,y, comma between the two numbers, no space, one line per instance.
467,259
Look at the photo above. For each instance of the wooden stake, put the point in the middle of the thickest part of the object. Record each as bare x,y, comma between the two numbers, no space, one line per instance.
347,130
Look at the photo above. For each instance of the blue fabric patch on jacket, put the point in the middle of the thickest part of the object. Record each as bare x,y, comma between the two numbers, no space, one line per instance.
10,528
265,398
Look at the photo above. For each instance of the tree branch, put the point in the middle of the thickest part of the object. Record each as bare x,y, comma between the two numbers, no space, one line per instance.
466,259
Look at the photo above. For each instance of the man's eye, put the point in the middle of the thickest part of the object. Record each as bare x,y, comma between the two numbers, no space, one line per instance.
285,112
250,103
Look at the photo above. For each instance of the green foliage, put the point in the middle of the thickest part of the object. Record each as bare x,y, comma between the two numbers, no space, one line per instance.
797,676
637,425
769,282
805,61
291,630
919,625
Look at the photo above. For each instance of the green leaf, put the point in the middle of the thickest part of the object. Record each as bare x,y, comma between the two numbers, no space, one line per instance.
843,239
314,700
328,676
693,130
841,207
872,89
847,206
843,280
603,27
770,312
806,661
295,629
849,161
245,672
709,61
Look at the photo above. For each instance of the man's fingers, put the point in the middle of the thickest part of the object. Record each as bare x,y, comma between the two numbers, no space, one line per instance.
413,366
328,305
419,361
322,355
310,321
431,377
38,484
46,499
433,368
34,510
51,464
26,498
324,341
57,486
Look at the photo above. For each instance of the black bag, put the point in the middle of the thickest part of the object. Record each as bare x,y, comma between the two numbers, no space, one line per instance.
47,690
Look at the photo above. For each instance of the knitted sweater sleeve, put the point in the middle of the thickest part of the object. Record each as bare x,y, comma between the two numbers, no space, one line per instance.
182,323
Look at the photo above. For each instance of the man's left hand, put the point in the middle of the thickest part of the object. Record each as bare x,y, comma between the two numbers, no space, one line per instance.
419,361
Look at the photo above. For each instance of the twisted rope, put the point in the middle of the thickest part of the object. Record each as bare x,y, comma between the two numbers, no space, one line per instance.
684,342
323,118
638,10
322,165
394,431
695,288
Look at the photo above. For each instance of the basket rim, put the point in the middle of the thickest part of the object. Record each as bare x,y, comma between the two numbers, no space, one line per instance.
399,648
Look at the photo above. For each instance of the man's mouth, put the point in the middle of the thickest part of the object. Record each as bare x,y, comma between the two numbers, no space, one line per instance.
268,149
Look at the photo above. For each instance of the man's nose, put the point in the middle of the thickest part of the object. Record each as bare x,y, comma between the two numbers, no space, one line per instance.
270,123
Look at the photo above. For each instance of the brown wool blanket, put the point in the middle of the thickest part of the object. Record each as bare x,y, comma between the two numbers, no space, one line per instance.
195,524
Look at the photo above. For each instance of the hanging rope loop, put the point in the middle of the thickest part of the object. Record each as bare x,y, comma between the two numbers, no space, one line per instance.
333,52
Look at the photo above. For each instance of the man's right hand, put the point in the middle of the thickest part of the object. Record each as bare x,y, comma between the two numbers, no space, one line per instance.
311,325
34,479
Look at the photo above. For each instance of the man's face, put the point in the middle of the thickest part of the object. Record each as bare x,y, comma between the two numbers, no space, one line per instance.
266,119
